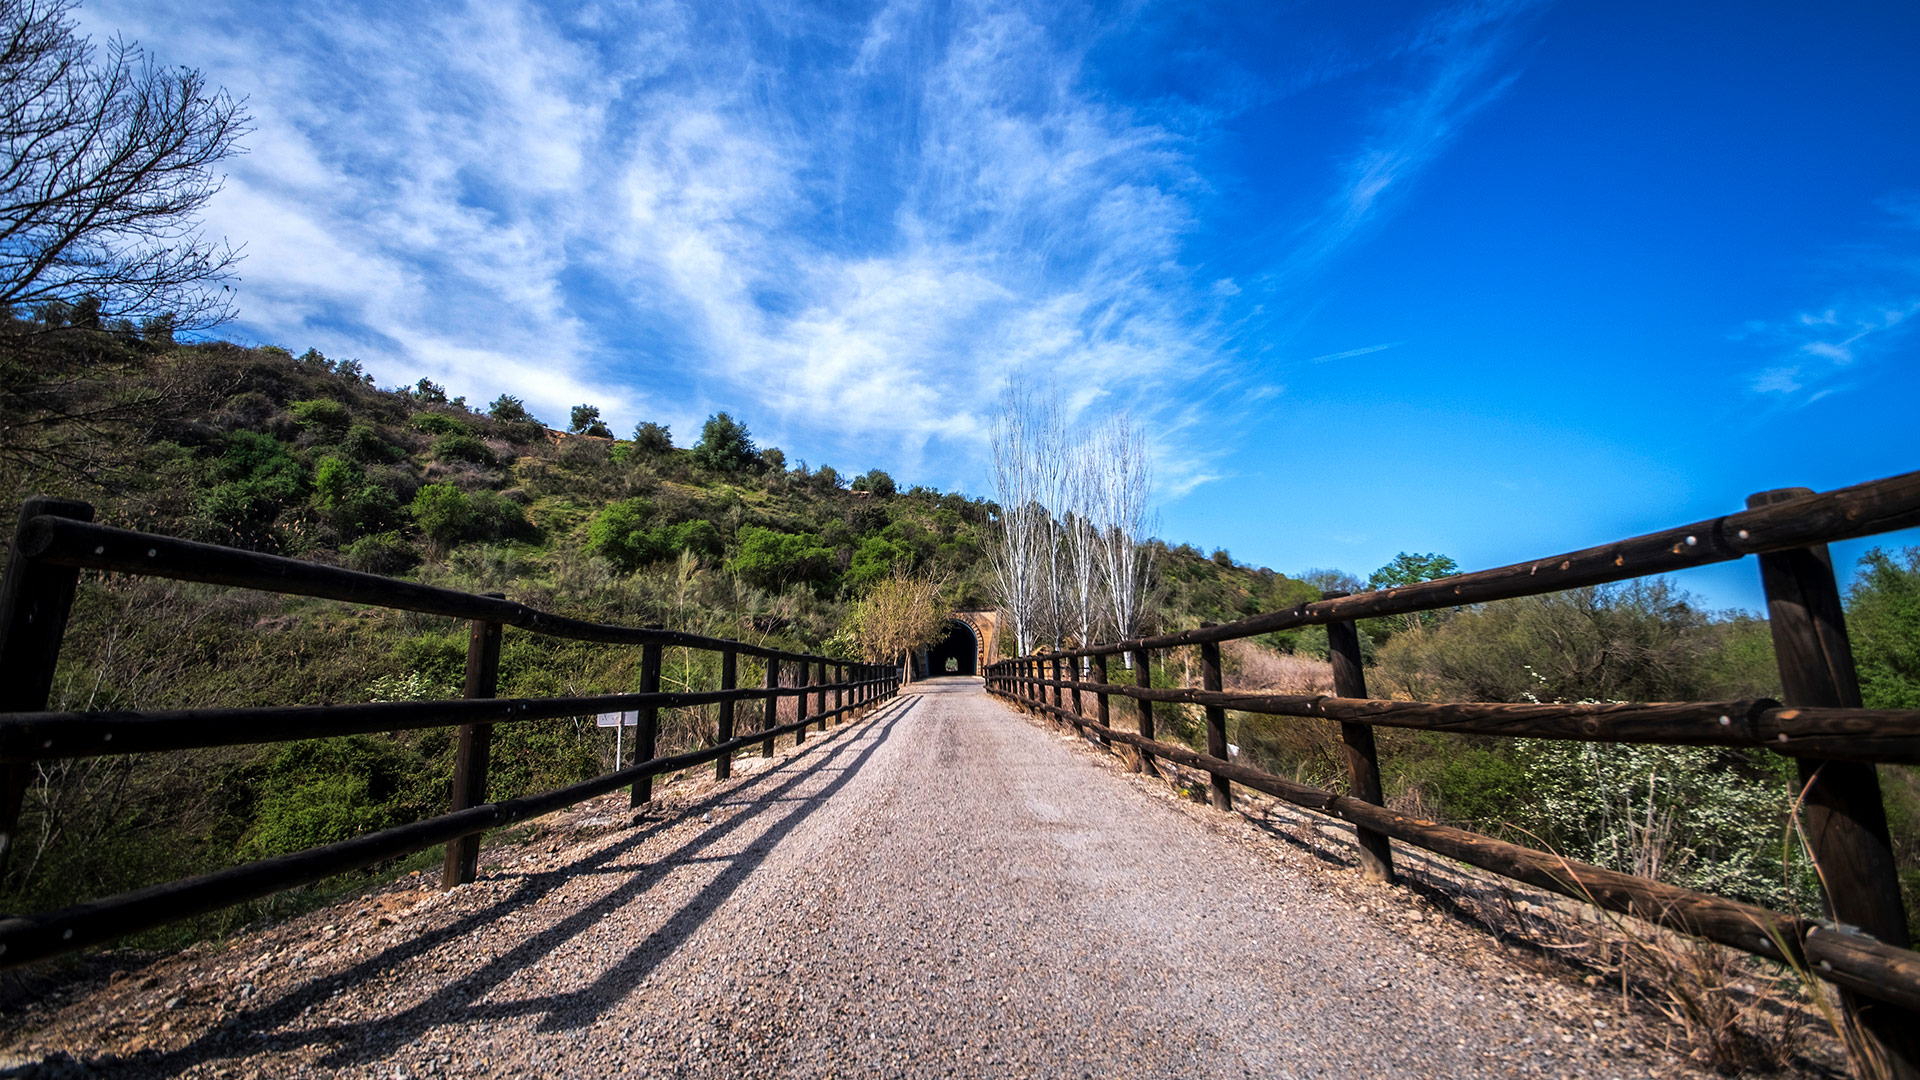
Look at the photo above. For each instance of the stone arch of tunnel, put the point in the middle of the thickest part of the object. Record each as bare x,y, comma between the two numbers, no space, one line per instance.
957,653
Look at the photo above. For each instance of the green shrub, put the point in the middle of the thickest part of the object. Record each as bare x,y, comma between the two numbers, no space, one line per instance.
699,537
365,443
496,517
319,791
874,559
251,481
459,446
353,505
434,423
1883,620
620,535
773,560
380,553
443,512
324,413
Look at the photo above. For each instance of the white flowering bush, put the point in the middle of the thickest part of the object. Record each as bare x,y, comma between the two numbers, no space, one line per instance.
1704,818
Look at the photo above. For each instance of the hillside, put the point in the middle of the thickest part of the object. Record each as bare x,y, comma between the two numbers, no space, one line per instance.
302,456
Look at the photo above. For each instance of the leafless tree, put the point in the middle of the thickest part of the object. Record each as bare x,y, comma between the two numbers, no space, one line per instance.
1082,547
105,165
1120,483
1019,436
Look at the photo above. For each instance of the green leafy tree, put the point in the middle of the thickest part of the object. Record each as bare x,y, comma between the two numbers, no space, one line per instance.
724,446
428,390
876,482
875,559
651,438
1883,622
511,410
1407,569
586,421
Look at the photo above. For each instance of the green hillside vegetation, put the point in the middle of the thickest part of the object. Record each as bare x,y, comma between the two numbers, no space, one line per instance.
304,457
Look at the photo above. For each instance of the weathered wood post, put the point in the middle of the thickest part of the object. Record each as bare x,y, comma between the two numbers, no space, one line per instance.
1363,758
824,677
1078,666
1100,698
474,749
1059,693
35,601
839,687
1220,792
1143,678
729,676
1844,818
773,704
800,702
646,733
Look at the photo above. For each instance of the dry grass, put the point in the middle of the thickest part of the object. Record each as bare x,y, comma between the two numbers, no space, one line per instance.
1249,666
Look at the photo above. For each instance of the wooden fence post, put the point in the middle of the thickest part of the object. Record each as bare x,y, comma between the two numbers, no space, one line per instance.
35,600
1363,758
1844,818
1059,696
773,705
1078,666
646,734
1143,678
474,749
1220,792
821,679
839,702
1100,698
801,671
729,677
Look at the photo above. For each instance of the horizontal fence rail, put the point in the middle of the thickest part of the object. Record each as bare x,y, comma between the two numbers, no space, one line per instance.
59,541
56,540
1861,946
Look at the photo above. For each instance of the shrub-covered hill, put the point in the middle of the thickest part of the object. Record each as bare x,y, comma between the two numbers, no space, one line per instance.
303,457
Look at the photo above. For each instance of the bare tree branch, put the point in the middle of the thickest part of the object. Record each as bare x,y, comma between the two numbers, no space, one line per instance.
104,169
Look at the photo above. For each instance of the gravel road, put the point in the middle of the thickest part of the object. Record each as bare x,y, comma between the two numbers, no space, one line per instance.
947,888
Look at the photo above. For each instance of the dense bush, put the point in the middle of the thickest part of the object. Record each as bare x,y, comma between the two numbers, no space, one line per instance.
1883,621
459,446
774,560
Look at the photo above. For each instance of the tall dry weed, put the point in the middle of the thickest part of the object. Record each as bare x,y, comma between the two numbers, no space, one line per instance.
1250,666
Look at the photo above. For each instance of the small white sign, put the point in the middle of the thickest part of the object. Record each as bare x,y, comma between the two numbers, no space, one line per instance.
618,719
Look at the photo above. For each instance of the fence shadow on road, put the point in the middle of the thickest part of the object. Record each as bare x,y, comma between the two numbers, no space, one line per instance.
459,1002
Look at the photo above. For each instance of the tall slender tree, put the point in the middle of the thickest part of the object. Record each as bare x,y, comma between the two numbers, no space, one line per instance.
1120,483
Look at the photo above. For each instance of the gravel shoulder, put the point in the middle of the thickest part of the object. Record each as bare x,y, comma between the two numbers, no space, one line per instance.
946,888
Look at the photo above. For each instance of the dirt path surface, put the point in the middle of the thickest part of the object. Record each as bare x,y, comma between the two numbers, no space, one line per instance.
944,889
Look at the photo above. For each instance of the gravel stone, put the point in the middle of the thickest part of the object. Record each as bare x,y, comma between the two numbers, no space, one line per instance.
945,888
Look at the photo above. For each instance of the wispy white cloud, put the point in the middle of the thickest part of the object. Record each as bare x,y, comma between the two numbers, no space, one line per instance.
1462,63
1832,349
849,230
1350,353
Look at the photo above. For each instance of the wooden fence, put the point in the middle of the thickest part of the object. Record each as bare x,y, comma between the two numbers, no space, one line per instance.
56,539
1861,946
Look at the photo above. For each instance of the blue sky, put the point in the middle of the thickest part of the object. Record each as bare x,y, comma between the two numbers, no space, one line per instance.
1496,280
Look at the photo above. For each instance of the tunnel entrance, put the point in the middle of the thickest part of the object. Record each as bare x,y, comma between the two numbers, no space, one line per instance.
955,654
